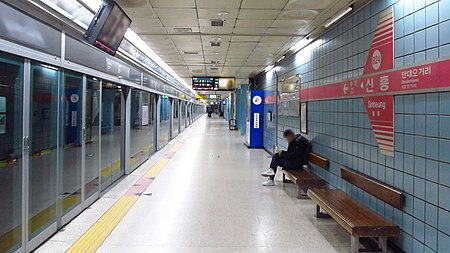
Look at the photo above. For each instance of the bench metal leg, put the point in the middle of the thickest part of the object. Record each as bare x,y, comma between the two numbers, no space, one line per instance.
354,245
382,244
320,214
301,194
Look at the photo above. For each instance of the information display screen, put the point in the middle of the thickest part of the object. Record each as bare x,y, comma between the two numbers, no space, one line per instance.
204,83
213,83
108,27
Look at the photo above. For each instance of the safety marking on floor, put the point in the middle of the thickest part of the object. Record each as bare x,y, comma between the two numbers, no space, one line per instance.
94,237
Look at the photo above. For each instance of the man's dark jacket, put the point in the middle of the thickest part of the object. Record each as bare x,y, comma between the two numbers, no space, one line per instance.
297,153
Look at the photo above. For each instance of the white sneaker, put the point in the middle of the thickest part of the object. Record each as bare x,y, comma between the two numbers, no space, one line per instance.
268,182
268,173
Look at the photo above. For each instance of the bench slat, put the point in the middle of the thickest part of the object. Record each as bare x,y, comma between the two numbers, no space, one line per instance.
386,193
319,160
305,178
357,219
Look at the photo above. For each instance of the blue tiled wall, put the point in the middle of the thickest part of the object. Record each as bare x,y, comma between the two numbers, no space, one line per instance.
341,131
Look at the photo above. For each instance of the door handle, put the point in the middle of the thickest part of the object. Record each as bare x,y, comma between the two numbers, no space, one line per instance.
26,144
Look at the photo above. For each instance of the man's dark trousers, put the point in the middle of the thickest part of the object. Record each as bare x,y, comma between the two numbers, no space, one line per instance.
277,160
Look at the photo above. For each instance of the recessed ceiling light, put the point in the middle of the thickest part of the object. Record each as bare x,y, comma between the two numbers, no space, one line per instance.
191,52
281,58
223,15
182,30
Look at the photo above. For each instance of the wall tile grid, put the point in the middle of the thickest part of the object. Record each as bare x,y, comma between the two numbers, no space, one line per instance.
341,131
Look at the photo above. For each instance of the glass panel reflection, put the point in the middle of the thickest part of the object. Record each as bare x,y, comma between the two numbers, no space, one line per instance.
92,141
176,118
71,138
164,121
11,72
141,132
111,167
43,148
182,115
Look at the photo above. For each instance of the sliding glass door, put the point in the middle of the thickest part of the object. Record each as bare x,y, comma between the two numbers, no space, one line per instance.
182,115
71,139
92,137
164,121
142,142
43,150
111,134
11,111
175,118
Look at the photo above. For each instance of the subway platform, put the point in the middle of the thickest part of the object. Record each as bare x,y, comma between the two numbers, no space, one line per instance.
204,194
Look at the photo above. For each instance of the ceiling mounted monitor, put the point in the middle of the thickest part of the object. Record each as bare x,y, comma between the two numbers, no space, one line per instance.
204,83
108,27
227,83
213,83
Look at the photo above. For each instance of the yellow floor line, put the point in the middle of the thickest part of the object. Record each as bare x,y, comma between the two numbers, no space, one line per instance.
175,147
92,239
156,168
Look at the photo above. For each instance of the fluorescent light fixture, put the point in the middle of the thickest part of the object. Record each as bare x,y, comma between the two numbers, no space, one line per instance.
268,68
339,16
94,5
291,77
131,36
301,44
282,57
141,45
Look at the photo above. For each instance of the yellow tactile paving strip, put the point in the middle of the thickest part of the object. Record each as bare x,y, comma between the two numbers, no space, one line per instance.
92,239
96,235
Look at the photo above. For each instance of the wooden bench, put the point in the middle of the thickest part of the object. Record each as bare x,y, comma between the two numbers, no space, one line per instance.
306,179
354,217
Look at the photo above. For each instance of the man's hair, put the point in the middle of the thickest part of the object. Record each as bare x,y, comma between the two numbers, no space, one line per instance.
288,132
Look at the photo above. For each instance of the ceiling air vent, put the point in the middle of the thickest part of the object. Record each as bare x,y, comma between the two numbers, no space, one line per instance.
182,30
214,69
191,52
197,71
215,43
217,22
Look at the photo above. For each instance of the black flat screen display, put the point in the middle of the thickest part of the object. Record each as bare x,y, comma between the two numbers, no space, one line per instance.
108,27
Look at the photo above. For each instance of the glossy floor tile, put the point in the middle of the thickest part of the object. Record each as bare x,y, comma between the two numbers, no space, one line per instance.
209,198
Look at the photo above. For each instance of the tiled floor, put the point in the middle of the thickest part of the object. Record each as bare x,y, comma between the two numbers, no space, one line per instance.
200,203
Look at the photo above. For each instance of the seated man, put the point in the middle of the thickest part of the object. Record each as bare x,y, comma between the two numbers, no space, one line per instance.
294,158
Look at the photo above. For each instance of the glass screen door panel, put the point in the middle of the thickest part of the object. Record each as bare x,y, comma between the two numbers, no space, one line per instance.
43,148
141,131
92,139
175,118
164,121
182,115
118,169
11,111
71,141
111,167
